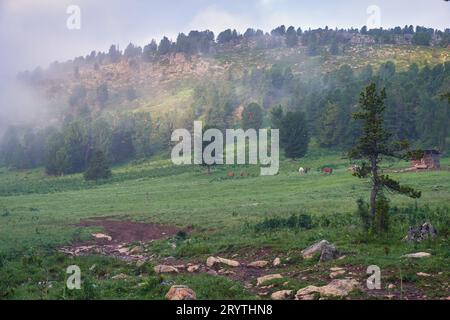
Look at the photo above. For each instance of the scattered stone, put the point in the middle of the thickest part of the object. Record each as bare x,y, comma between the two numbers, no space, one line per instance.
282,295
421,233
335,269
120,276
423,274
336,288
212,261
123,250
193,268
92,268
391,286
418,255
102,236
264,279
337,273
165,269
276,262
226,272
258,264
326,250
263,294
178,293
136,250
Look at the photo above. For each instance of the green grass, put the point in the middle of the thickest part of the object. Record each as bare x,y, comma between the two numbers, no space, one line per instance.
39,213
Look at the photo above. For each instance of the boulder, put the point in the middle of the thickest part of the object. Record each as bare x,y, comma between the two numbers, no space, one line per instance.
282,295
421,233
276,262
326,250
264,279
193,268
258,264
179,293
165,269
418,255
329,252
212,261
336,288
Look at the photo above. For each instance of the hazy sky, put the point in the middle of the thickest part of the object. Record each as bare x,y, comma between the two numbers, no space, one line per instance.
34,32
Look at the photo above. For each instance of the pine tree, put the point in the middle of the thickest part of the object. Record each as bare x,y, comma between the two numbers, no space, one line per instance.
294,135
98,168
373,145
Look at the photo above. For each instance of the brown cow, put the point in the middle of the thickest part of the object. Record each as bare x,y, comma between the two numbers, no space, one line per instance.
230,174
327,170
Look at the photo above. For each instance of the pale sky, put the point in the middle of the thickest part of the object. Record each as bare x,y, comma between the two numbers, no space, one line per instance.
34,32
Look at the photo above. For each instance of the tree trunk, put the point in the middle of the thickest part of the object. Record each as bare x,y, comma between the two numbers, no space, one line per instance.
375,188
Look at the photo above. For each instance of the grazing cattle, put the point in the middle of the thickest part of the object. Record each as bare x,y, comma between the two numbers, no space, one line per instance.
230,174
243,174
327,170
302,171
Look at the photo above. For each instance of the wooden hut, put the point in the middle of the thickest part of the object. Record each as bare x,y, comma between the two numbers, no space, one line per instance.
431,159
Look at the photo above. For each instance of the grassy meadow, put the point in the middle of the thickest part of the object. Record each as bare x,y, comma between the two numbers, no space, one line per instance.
39,214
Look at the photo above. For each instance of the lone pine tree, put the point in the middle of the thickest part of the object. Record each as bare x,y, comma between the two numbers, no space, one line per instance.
374,144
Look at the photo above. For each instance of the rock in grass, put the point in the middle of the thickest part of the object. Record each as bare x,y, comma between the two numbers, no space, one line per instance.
418,255
178,293
193,268
336,288
261,280
258,264
212,261
326,250
282,295
102,236
165,269
421,233
120,276
276,262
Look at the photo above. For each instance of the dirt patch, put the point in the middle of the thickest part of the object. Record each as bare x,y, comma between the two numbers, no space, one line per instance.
129,231
120,239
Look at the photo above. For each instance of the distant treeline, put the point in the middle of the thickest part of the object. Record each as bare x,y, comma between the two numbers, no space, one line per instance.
317,41
416,111
70,148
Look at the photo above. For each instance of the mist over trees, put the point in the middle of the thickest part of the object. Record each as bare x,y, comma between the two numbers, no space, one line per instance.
322,105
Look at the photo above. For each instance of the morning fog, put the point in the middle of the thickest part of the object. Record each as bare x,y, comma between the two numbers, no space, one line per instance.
238,147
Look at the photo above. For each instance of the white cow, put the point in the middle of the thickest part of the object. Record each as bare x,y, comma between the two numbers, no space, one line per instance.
302,171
